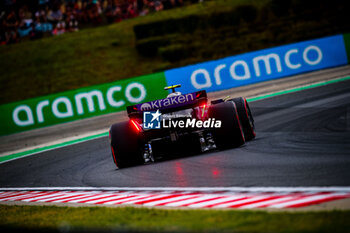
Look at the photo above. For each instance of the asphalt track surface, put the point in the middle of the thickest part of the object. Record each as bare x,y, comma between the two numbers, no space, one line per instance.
303,139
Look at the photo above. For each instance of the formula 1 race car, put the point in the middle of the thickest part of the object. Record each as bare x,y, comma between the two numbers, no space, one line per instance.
182,124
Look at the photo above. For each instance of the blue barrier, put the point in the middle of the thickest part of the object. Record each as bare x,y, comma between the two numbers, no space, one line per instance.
259,66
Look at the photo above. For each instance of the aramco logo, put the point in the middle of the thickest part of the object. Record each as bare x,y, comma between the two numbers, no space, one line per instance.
84,102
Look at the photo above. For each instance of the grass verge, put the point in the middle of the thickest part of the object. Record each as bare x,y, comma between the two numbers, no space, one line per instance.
129,219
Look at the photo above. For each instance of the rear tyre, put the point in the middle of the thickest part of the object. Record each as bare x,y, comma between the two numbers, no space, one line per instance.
246,117
126,145
230,133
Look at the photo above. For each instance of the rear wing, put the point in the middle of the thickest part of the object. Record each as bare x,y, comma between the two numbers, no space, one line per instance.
170,104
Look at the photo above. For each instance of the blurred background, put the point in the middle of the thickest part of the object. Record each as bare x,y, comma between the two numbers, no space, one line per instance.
49,46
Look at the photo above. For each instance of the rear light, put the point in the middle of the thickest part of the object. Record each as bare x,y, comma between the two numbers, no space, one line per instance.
113,154
201,94
203,109
131,109
136,125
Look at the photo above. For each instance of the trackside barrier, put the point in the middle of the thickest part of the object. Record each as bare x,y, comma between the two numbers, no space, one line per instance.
239,70
79,104
347,44
260,66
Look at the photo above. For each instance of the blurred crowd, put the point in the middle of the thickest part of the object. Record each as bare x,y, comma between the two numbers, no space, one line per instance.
35,18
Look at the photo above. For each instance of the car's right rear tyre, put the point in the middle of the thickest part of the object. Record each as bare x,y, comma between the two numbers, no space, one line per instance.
126,145
246,118
230,133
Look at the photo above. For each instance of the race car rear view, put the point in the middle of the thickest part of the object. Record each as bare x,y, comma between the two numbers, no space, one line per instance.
181,124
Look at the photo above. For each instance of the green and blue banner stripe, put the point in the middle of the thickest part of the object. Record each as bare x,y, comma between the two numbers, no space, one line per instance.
225,73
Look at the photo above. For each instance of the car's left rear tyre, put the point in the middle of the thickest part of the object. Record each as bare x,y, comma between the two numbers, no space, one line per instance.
126,145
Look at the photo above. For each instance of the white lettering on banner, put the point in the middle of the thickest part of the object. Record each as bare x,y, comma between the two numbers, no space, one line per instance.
138,86
206,75
28,112
89,98
258,62
319,53
39,110
110,98
266,60
287,59
217,73
68,111
68,105
245,67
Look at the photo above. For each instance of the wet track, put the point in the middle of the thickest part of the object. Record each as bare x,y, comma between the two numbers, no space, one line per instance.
303,139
